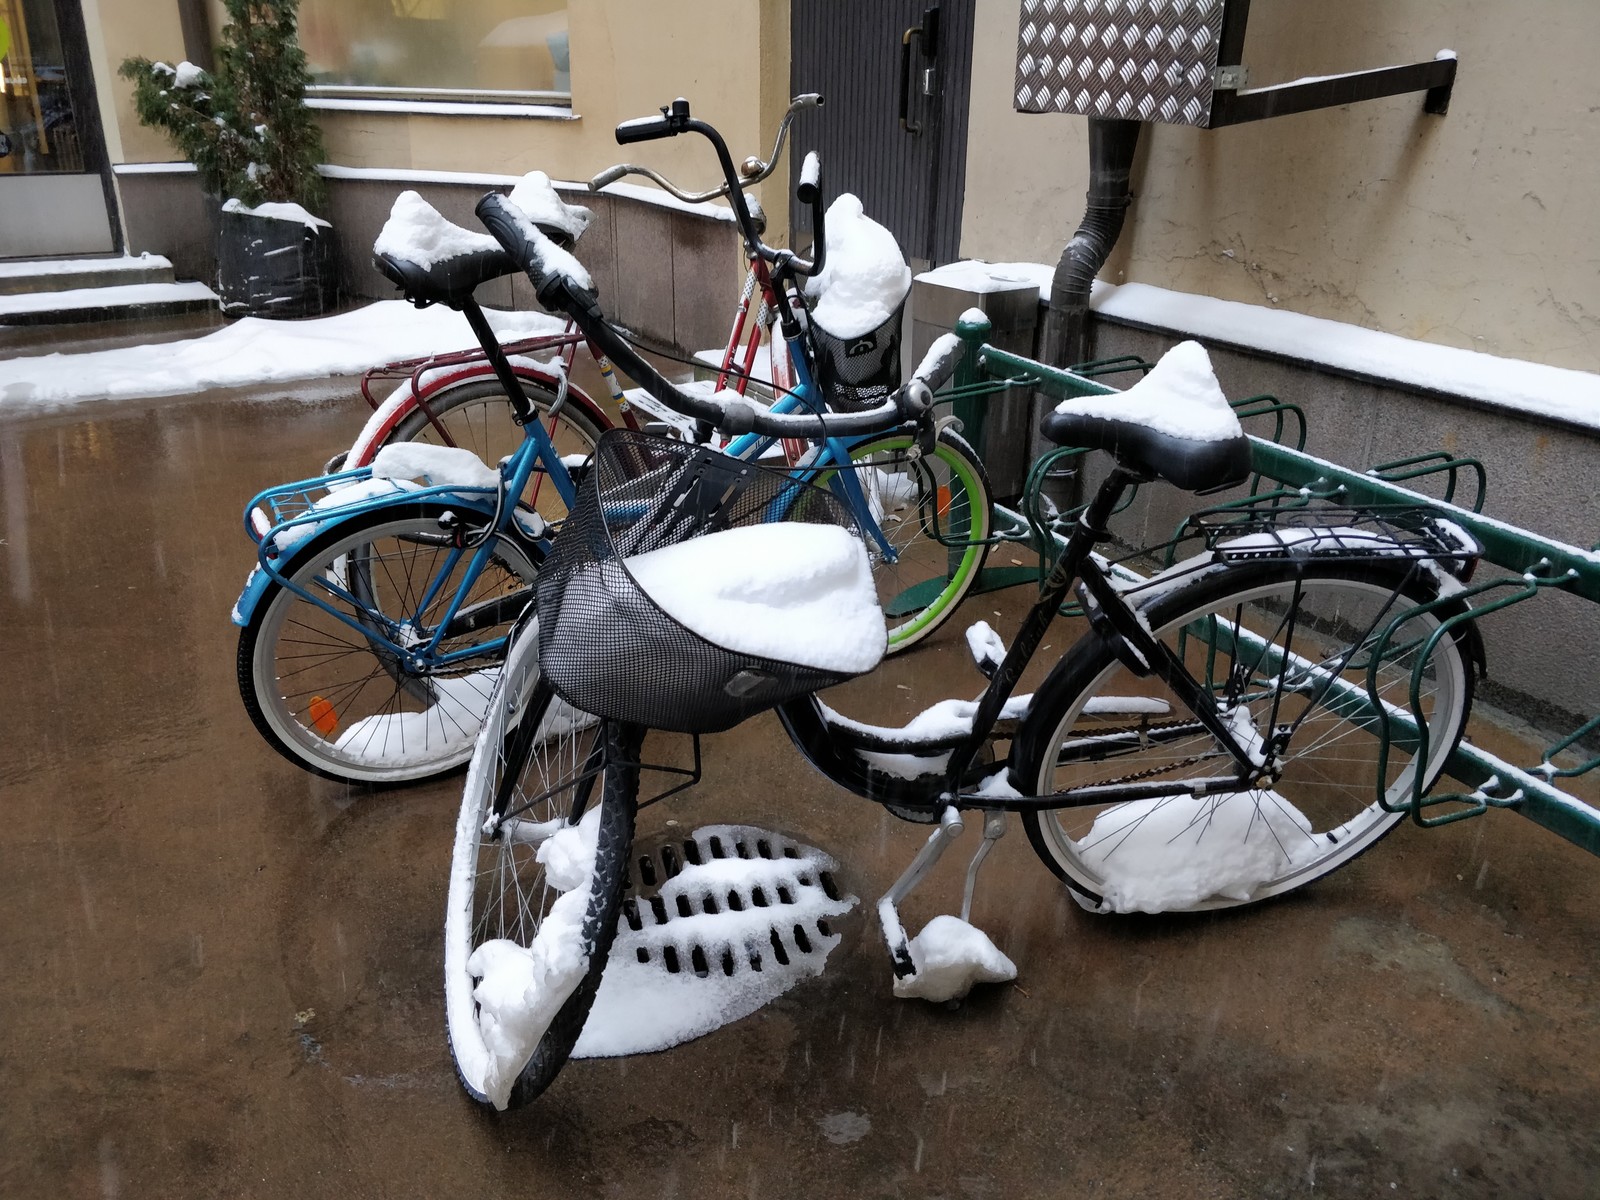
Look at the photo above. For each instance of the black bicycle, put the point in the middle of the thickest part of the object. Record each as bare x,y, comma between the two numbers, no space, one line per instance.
1212,740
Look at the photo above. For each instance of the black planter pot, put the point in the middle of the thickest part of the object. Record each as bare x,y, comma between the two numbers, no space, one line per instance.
268,267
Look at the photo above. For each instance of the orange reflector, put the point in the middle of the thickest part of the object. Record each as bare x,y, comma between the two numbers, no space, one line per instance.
323,719
944,499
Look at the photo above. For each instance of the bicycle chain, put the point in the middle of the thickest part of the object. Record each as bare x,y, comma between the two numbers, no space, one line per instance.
1148,772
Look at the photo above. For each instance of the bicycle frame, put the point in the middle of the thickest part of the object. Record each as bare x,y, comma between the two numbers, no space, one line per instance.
832,747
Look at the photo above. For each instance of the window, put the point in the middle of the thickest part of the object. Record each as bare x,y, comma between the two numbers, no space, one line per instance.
38,127
451,49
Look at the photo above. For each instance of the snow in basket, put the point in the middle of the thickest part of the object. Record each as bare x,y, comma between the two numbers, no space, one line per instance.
790,591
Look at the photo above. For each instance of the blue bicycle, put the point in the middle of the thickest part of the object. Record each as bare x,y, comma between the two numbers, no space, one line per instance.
376,619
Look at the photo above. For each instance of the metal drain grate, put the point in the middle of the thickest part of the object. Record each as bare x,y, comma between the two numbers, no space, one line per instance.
729,898
715,924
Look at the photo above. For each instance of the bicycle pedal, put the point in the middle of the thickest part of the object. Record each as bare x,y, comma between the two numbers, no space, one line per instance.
986,647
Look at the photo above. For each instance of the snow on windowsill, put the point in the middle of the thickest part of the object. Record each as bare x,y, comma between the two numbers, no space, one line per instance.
444,108
154,168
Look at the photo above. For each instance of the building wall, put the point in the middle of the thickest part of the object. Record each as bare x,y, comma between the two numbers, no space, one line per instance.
669,276
1474,230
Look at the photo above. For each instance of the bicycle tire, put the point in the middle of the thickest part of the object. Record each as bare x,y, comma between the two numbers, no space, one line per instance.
482,861
480,418
1163,864
320,692
959,489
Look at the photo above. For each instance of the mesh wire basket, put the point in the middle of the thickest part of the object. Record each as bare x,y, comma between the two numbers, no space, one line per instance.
605,646
857,373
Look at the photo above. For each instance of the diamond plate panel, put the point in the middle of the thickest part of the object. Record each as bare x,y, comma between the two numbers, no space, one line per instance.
1140,60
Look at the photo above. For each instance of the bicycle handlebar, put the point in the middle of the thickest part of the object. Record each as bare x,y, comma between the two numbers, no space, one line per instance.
752,171
534,253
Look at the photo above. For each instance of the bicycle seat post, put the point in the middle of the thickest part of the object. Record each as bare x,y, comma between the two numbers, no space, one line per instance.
497,359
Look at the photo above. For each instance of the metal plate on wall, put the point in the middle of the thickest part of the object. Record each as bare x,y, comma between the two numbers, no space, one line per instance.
1143,60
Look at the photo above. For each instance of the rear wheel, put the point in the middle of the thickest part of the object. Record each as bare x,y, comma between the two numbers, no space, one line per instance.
327,696
526,934
1286,654
477,416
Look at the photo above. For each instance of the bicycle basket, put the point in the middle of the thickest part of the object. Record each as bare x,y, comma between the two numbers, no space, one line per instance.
856,373
609,648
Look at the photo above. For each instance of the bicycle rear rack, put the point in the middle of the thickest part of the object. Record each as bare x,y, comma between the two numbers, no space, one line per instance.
1291,489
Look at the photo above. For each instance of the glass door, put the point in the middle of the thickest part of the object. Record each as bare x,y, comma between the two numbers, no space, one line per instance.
53,190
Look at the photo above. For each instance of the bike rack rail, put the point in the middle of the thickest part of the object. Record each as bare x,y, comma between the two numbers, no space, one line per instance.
1285,474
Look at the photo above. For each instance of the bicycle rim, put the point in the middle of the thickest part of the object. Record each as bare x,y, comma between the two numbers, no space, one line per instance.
540,769
1279,654
935,514
330,698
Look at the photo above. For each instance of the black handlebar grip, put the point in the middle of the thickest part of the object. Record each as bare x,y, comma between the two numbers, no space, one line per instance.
644,129
810,189
505,222
674,119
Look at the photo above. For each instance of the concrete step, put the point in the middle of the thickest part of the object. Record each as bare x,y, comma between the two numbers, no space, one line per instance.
21,277
106,303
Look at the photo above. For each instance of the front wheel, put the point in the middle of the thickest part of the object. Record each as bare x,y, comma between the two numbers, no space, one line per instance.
934,514
536,881
339,702
1286,653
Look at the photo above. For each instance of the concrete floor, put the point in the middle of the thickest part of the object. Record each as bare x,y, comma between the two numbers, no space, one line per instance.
221,976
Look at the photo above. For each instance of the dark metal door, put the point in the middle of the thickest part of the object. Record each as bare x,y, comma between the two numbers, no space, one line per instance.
894,75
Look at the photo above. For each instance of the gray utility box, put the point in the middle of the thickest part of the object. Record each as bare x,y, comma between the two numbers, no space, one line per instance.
1010,300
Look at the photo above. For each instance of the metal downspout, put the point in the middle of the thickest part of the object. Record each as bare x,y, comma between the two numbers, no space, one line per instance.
1066,328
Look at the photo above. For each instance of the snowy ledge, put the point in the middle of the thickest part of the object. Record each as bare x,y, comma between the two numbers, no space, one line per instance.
445,108
1506,384
649,195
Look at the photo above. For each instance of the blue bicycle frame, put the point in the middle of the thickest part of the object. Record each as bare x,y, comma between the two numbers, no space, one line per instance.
833,452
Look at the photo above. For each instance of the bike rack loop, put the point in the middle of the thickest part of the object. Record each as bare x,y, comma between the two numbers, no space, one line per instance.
1535,564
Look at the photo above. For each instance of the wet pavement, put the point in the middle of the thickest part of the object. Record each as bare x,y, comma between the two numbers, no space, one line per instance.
221,976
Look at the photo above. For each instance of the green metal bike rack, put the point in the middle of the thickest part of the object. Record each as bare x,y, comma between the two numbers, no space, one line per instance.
1285,473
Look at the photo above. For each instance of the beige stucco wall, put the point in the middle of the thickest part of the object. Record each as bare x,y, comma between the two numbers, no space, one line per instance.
119,29
728,57
1476,229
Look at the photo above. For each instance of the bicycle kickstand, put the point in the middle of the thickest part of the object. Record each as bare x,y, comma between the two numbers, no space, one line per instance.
950,828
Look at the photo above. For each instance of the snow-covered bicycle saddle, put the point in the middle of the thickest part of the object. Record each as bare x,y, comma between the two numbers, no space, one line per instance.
1174,424
435,261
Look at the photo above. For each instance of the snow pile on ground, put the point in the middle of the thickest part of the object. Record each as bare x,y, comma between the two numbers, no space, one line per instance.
521,989
1180,397
790,591
864,277
441,466
450,723
1164,854
253,351
642,1007
418,232
952,957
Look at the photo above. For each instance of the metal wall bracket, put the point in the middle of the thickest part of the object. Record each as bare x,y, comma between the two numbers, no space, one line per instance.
1180,64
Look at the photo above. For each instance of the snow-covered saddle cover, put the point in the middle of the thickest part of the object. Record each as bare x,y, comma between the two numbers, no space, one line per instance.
416,232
